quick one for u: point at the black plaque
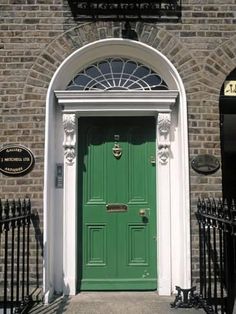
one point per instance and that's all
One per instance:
(16, 160)
(205, 164)
(126, 10)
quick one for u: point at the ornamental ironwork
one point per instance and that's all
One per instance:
(117, 74)
(156, 10)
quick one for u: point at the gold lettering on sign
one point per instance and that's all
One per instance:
(13, 169)
(13, 159)
(9, 150)
(230, 88)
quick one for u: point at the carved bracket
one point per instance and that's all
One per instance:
(69, 137)
(163, 136)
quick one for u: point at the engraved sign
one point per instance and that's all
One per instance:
(205, 164)
(230, 88)
(116, 207)
(16, 160)
(163, 10)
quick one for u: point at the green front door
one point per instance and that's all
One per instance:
(117, 204)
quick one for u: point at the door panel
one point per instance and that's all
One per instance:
(137, 254)
(137, 182)
(96, 249)
(96, 156)
(116, 248)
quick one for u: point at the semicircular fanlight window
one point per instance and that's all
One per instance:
(117, 74)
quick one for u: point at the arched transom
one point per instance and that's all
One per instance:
(117, 74)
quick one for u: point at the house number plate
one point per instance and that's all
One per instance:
(116, 207)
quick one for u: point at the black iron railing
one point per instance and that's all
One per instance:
(15, 221)
(217, 257)
(123, 10)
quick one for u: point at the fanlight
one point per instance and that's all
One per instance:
(117, 74)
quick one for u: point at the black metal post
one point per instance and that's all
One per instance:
(204, 262)
(23, 251)
(18, 208)
(221, 269)
(28, 211)
(13, 211)
(215, 267)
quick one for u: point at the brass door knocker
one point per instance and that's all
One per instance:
(117, 151)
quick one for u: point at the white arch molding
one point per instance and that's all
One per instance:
(62, 111)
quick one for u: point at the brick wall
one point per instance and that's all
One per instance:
(37, 35)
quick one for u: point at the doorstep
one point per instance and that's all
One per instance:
(113, 303)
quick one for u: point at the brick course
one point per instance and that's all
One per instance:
(37, 35)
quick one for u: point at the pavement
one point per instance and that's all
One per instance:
(112, 303)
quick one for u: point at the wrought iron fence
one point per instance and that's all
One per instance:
(217, 234)
(15, 222)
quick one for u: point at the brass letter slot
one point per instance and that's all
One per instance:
(116, 207)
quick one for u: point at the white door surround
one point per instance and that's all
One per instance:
(63, 110)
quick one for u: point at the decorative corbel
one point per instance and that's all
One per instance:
(69, 137)
(163, 136)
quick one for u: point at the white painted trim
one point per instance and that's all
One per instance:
(163, 230)
(70, 205)
(123, 103)
(163, 177)
(178, 251)
(112, 105)
(70, 96)
(70, 230)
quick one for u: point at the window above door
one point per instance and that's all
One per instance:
(117, 74)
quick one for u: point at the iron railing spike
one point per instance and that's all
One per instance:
(220, 208)
(203, 205)
(213, 207)
(24, 206)
(6, 209)
(13, 208)
(216, 265)
(29, 206)
(233, 211)
(232, 203)
(28, 211)
(19, 212)
(18, 207)
(199, 205)
(208, 206)
(226, 211)
(13, 213)
(16, 256)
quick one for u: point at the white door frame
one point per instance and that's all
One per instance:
(60, 234)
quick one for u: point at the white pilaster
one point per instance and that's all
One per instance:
(70, 217)
(164, 204)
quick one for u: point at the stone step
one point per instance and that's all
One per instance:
(113, 303)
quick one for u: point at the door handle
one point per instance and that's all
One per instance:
(144, 212)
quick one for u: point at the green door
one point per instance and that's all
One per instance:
(117, 204)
